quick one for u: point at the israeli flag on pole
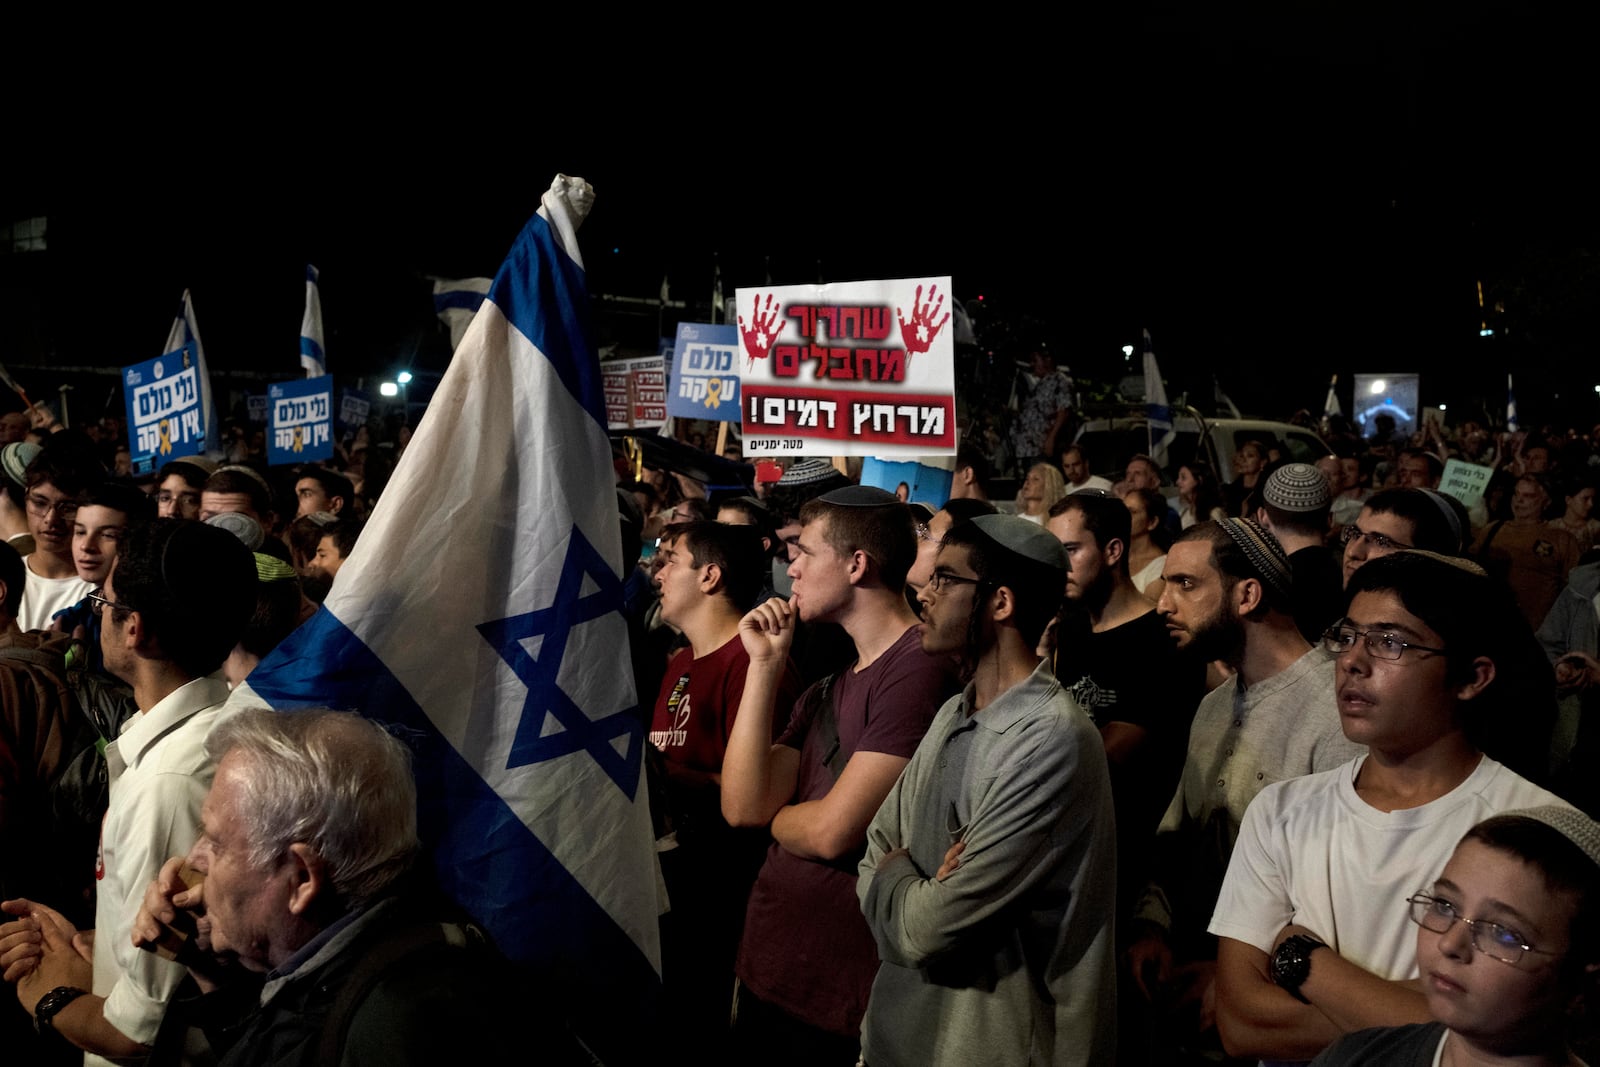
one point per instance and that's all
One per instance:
(311, 357)
(1511, 407)
(186, 331)
(456, 301)
(479, 615)
(1158, 416)
(1330, 406)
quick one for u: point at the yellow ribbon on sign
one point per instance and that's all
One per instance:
(713, 392)
(166, 437)
(299, 440)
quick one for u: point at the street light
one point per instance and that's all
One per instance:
(404, 377)
(388, 389)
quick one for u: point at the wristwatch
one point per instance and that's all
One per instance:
(44, 1012)
(1291, 963)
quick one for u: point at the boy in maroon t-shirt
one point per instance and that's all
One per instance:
(709, 575)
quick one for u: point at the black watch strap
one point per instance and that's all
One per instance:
(1291, 963)
(44, 1012)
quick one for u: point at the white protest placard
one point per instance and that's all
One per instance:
(1465, 481)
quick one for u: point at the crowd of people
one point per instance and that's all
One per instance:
(1130, 767)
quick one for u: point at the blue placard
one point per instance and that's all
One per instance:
(162, 399)
(705, 373)
(302, 421)
(354, 405)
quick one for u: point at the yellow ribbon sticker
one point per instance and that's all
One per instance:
(164, 429)
(299, 440)
(713, 392)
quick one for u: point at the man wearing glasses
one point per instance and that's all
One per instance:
(989, 880)
(51, 488)
(1393, 520)
(173, 607)
(1314, 938)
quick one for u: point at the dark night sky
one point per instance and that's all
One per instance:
(1275, 198)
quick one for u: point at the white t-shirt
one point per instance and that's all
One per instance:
(1313, 853)
(43, 597)
(1094, 481)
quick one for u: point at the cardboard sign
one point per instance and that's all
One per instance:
(162, 399)
(354, 406)
(849, 369)
(635, 392)
(1465, 481)
(256, 407)
(302, 421)
(705, 374)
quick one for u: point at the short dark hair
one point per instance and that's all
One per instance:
(68, 470)
(736, 550)
(788, 502)
(193, 586)
(1155, 507)
(1435, 464)
(1564, 867)
(1234, 566)
(13, 577)
(1474, 615)
(971, 456)
(135, 504)
(884, 532)
(246, 482)
(1425, 511)
(1104, 516)
(333, 483)
(304, 534)
(757, 516)
(344, 534)
(1304, 522)
(1037, 587)
(193, 475)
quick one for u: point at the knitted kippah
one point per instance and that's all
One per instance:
(15, 457)
(1297, 487)
(808, 472)
(242, 526)
(272, 569)
(1264, 551)
(1570, 823)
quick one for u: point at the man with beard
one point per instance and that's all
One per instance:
(989, 876)
(1114, 657)
(1227, 597)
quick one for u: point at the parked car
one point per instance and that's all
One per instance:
(1109, 442)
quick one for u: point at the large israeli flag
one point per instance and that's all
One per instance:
(185, 330)
(311, 357)
(1158, 415)
(480, 613)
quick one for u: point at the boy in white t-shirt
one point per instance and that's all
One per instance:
(1313, 942)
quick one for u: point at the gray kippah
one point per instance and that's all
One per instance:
(1570, 823)
(808, 472)
(859, 496)
(15, 457)
(1263, 550)
(1297, 487)
(246, 529)
(1019, 536)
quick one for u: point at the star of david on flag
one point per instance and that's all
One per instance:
(478, 616)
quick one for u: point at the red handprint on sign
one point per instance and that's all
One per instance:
(918, 332)
(764, 329)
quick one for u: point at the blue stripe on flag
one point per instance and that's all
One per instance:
(485, 858)
(542, 292)
(309, 347)
(465, 299)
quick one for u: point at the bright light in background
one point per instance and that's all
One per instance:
(1378, 387)
(1441, 407)
(1127, 350)
(404, 377)
(389, 389)
(1486, 332)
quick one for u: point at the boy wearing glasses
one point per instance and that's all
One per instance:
(1311, 944)
(51, 488)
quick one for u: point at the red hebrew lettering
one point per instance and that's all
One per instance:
(786, 361)
(875, 323)
(805, 317)
(918, 332)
